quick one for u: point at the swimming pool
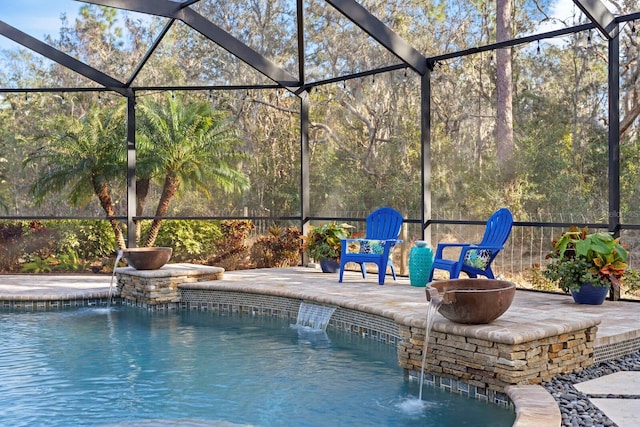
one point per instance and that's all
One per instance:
(130, 367)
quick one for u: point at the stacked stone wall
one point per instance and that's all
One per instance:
(156, 291)
(158, 287)
(494, 365)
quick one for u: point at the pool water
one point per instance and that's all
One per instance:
(123, 366)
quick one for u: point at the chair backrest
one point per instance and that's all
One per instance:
(498, 228)
(384, 223)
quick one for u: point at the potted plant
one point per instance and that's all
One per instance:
(587, 265)
(323, 244)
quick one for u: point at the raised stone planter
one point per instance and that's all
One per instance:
(493, 356)
(155, 287)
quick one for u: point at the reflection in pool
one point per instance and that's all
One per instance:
(123, 366)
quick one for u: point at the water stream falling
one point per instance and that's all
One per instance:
(432, 309)
(113, 275)
(314, 316)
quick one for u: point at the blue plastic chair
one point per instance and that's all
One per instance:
(383, 229)
(476, 260)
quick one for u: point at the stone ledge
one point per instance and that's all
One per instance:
(56, 297)
(535, 407)
(506, 332)
(173, 270)
(159, 287)
(622, 337)
(383, 309)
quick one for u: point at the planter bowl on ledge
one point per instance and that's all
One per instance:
(473, 301)
(151, 258)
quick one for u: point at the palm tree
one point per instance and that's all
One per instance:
(190, 146)
(83, 154)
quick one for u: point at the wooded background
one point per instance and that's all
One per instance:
(365, 147)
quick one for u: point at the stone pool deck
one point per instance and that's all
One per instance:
(531, 313)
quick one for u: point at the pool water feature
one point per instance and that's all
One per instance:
(113, 276)
(124, 366)
(432, 309)
(314, 316)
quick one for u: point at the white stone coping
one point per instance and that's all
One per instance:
(535, 407)
(56, 297)
(505, 332)
(172, 270)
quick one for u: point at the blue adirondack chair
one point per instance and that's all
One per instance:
(476, 259)
(383, 229)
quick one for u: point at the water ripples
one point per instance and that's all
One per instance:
(123, 366)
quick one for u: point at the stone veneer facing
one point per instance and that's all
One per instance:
(494, 365)
(158, 287)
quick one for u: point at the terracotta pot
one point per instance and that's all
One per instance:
(473, 301)
(147, 258)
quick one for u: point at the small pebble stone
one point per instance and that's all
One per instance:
(575, 407)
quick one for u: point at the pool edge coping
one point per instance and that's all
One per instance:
(532, 405)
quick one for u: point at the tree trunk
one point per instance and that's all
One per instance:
(504, 89)
(169, 190)
(101, 188)
(142, 190)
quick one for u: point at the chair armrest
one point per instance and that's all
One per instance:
(465, 247)
(391, 243)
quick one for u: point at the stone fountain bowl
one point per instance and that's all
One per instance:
(473, 301)
(151, 258)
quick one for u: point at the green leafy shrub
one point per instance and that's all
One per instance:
(70, 261)
(280, 248)
(190, 240)
(35, 243)
(324, 242)
(89, 239)
(37, 265)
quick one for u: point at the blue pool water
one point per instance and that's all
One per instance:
(132, 367)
